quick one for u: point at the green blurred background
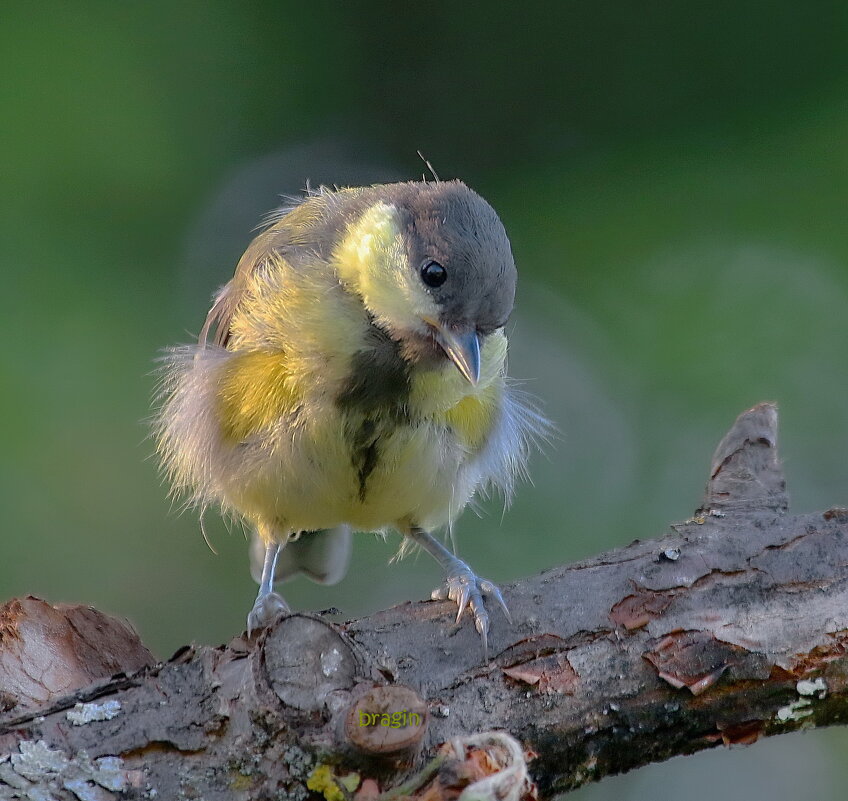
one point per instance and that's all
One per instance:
(674, 179)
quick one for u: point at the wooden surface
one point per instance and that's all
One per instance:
(731, 627)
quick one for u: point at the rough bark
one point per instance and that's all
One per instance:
(732, 626)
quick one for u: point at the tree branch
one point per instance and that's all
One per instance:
(731, 627)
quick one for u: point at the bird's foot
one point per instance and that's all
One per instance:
(266, 609)
(466, 589)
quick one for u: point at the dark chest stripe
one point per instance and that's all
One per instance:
(374, 400)
(365, 453)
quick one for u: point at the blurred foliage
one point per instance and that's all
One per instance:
(674, 180)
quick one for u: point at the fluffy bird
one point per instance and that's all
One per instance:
(352, 376)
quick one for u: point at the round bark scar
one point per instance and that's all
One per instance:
(306, 660)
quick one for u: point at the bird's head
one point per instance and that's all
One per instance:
(433, 266)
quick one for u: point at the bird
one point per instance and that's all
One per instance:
(352, 377)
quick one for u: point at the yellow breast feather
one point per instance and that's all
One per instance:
(473, 417)
(256, 388)
(471, 412)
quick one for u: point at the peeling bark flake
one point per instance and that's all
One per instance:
(636, 611)
(551, 674)
(697, 660)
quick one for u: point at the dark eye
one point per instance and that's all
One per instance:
(433, 274)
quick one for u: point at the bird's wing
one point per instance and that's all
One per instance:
(295, 229)
(227, 299)
(219, 316)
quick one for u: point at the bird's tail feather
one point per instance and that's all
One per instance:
(322, 556)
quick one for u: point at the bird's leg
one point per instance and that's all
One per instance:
(268, 605)
(461, 585)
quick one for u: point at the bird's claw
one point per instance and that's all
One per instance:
(466, 589)
(266, 610)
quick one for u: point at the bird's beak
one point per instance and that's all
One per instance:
(462, 347)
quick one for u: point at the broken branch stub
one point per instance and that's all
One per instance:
(746, 473)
